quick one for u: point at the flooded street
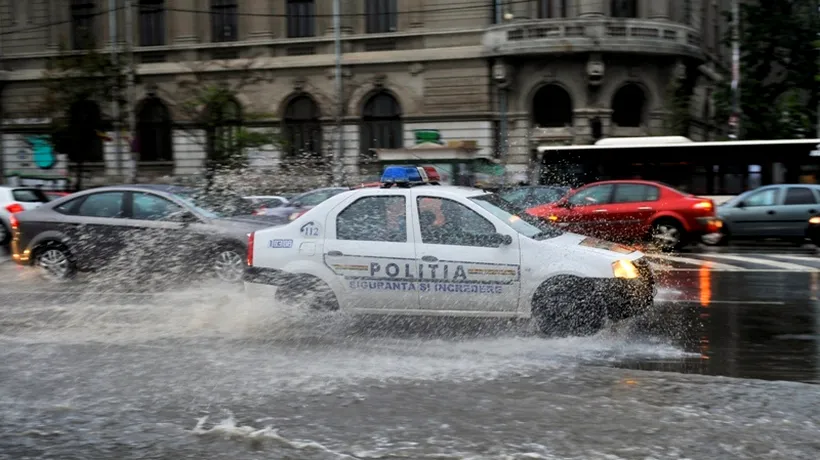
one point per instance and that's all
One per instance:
(725, 367)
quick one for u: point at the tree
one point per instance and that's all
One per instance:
(76, 84)
(207, 101)
(778, 88)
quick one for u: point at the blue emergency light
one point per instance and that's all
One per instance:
(407, 176)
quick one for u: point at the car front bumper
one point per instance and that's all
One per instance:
(620, 298)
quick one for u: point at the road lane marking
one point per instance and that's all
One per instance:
(773, 263)
(699, 262)
(747, 302)
(797, 258)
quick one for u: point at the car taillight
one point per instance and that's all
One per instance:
(15, 207)
(14, 222)
(707, 205)
(296, 215)
(250, 248)
(259, 211)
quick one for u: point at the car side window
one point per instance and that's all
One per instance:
(766, 197)
(543, 195)
(104, 204)
(596, 195)
(517, 196)
(799, 196)
(374, 218)
(444, 221)
(634, 193)
(69, 207)
(147, 206)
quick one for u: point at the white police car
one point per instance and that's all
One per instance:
(409, 248)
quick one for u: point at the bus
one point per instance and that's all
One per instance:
(701, 168)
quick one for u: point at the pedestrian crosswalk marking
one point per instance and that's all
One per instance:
(699, 262)
(758, 261)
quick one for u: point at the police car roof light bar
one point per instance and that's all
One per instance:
(401, 176)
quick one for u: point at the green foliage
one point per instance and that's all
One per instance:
(679, 116)
(779, 73)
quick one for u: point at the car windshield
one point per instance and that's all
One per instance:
(516, 218)
(216, 205)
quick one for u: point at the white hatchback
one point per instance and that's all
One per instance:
(450, 251)
(14, 200)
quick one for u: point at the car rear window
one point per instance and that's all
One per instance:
(29, 195)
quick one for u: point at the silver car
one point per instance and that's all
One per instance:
(779, 211)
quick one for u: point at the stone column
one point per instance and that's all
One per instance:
(656, 9)
(417, 13)
(181, 23)
(277, 24)
(259, 25)
(355, 19)
(324, 17)
(589, 8)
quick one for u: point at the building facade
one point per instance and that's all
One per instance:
(509, 75)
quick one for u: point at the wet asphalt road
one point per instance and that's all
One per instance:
(726, 366)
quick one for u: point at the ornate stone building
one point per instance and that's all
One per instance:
(515, 72)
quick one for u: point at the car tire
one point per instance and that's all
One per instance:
(55, 262)
(566, 306)
(667, 235)
(5, 234)
(228, 263)
(307, 291)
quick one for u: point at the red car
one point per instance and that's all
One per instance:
(631, 210)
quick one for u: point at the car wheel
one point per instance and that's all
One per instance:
(229, 264)
(5, 234)
(565, 306)
(55, 263)
(668, 235)
(307, 291)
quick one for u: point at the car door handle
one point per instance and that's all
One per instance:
(770, 212)
(430, 259)
(599, 210)
(644, 208)
(335, 253)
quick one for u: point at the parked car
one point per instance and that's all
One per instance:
(630, 210)
(267, 201)
(527, 197)
(14, 200)
(780, 211)
(153, 227)
(301, 203)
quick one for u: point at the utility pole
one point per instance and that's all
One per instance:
(499, 74)
(734, 120)
(115, 60)
(338, 152)
(130, 85)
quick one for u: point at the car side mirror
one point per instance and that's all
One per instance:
(740, 204)
(182, 217)
(564, 204)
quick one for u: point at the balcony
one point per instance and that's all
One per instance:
(561, 36)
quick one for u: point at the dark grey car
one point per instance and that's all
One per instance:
(142, 228)
(303, 202)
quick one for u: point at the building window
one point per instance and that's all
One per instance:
(85, 120)
(303, 131)
(624, 8)
(301, 18)
(381, 124)
(552, 9)
(552, 107)
(629, 106)
(154, 141)
(224, 21)
(152, 22)
(223, 123)
(380, 16)
(82, 24)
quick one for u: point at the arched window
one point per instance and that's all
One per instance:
(381, 124)
(303, 130)
(624, 8)
(552, 107)
(223, 123)
(629, 106)
(154, 140)
(85, 119)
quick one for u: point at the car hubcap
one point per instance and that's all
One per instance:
(54, 264)
(229, 266)
(667, 235)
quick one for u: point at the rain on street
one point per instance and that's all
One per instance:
(726, 366)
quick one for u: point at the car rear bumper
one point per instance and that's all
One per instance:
(19, 254)
(813, 231)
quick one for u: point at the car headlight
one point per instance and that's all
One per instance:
(625, 269)
(815, 220)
